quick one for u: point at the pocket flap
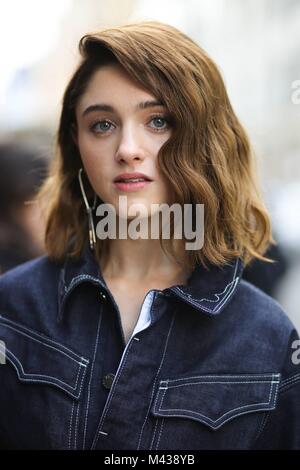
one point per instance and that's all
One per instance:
(216, 399)
(39, 359)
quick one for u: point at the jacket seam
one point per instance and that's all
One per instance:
(288, 382)
(221, 418)
(281, 390)
(221, 301)
(109, 399)
(91, 375)
(52, 380)
(154, 385)
(30, 334)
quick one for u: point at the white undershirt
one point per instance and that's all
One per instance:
(144, 319)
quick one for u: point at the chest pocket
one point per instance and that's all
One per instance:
(194, 408)
(40, 360)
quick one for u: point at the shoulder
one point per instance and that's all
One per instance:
(263, 309)
(260, 322)
(32, 274)
(29, 287)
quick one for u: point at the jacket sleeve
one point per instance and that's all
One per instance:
(281, 426)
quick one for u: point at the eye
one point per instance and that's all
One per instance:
(160, 122)
(101, 127)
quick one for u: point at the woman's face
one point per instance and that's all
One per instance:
(121, 128)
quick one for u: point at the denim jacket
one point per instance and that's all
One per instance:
(216, 367)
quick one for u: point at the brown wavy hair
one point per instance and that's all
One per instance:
(207, 160)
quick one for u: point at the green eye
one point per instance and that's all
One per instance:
(159, 122)
(101, 126)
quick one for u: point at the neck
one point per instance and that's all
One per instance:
(140, 261)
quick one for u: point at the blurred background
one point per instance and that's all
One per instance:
(256, 44)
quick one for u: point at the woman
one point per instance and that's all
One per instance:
(140, 343)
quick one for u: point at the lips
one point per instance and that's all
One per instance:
(130, 182)
(132, 178)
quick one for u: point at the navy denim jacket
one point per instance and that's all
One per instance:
(217, 368)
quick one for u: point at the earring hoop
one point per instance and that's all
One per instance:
(89, 211)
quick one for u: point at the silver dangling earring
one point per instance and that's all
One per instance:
(89, 210)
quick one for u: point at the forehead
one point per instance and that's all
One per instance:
(113, 83)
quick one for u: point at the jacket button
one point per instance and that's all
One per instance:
(107, 380)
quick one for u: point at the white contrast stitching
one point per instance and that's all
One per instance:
(220, 419)
(218, 306)
(154, 434)
(289, 380)
(70, 427)
(76, 426)
(19, 327)
(47, 345)
(53, 380)
(161, 427)
(156, 421)
(110, 396)
(249, 376)
(220, 382)
(155, 380)
(160, 433)
(78, 408)
(91, 375)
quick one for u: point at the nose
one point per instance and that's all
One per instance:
(130, 145)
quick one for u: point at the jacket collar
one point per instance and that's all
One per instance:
(208, 290)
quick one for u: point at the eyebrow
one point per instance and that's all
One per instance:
(111, 109)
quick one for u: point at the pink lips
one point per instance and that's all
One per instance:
(123, 186)
(123, 183)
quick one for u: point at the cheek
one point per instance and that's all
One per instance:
(94, 156)
(96, 165)
(89, 152)
(156, 143)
